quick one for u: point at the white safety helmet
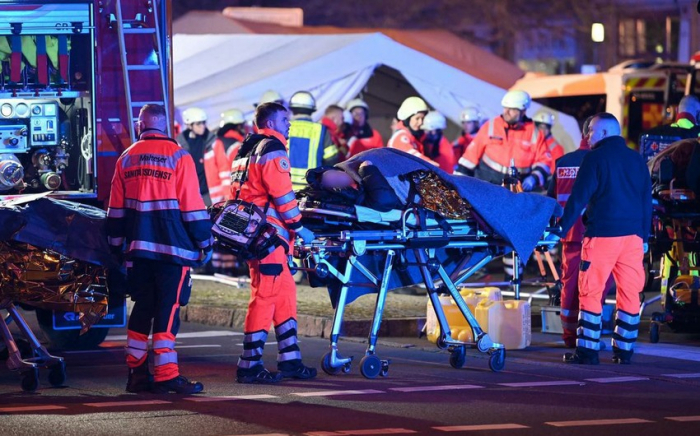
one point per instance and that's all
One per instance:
(544, 118)
(271, 96)
(410, 107)
(470, 113)
(193, 115)
(434, 120)
(516, 100)
(231, 116)
(302, 100)
(357, 102)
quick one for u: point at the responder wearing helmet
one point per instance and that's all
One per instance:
(361, 136)
(310, 144)
(263, 157)
(217, 165)
(544, 122)
(408, 135)
(436, 146)
(471, 121)
(231, 131)
(509, 137)
(271, 96)
(198, 140)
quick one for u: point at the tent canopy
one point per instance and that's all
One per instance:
(219, 72)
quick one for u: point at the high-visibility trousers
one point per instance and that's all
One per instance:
(623, 257)
(570, 263)
(273, 299)
(158, 289)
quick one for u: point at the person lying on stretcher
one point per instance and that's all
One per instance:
(333, 185)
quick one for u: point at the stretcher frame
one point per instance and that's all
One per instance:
(423, 243)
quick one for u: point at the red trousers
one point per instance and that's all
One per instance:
(273, 296)
(623, 256)
(570, 263)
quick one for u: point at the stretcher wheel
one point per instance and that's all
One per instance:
(458, 357)
(57, 374)
(327, 368)
(371, 366)
(497, 360)
(30, 380)
(654, 333)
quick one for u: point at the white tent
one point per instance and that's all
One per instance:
(219, 72)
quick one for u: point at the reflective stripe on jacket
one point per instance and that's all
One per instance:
(403, 140)
(268, 181)
(496, 144)
(310, 146)
(155, 208)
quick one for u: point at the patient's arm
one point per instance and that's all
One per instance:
(379, 194)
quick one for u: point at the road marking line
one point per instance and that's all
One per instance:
(127, 403)
(329, 393)
(545, 383)
(616, 379)
(103, 350)
(435, 388)
(230, 397)
(204, 334)
(689, 375)
(598, 422)
(683, 418)
(481, 427)
(31, 408)
(178, 347)
(374, 431)
(669, 351)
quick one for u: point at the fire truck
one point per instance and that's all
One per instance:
(74, 76)
(642, 95)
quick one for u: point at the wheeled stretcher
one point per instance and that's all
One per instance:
(359, 251)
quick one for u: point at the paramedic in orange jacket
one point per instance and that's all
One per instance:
(409, 135)
(471, 121)
(360, 135)
(158, 222)
(614, 187)
(436, 146)
(544, 122)
(273, 290)
(510, 136)
(230, 134)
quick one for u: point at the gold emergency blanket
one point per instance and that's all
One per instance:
(49, 280)
(440, 198)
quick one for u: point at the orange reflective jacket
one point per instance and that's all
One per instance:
(268, 183)
(497, 144)
(403, 140)
(155, 208)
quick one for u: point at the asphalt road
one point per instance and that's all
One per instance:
(534, 395)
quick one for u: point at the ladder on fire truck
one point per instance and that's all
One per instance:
(140, 26)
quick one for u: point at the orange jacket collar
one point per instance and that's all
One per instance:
(329, 124)
(274, 134)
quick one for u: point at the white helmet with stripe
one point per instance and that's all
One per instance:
(434, 120)
(193, 115)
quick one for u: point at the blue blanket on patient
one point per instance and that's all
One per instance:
(520, 219)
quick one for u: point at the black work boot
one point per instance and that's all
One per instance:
(622, 357)
(257, 375)
(582, 356)
(140, 379)
(178, 385)
(298, 371)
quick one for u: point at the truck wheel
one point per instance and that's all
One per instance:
(69, 339)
